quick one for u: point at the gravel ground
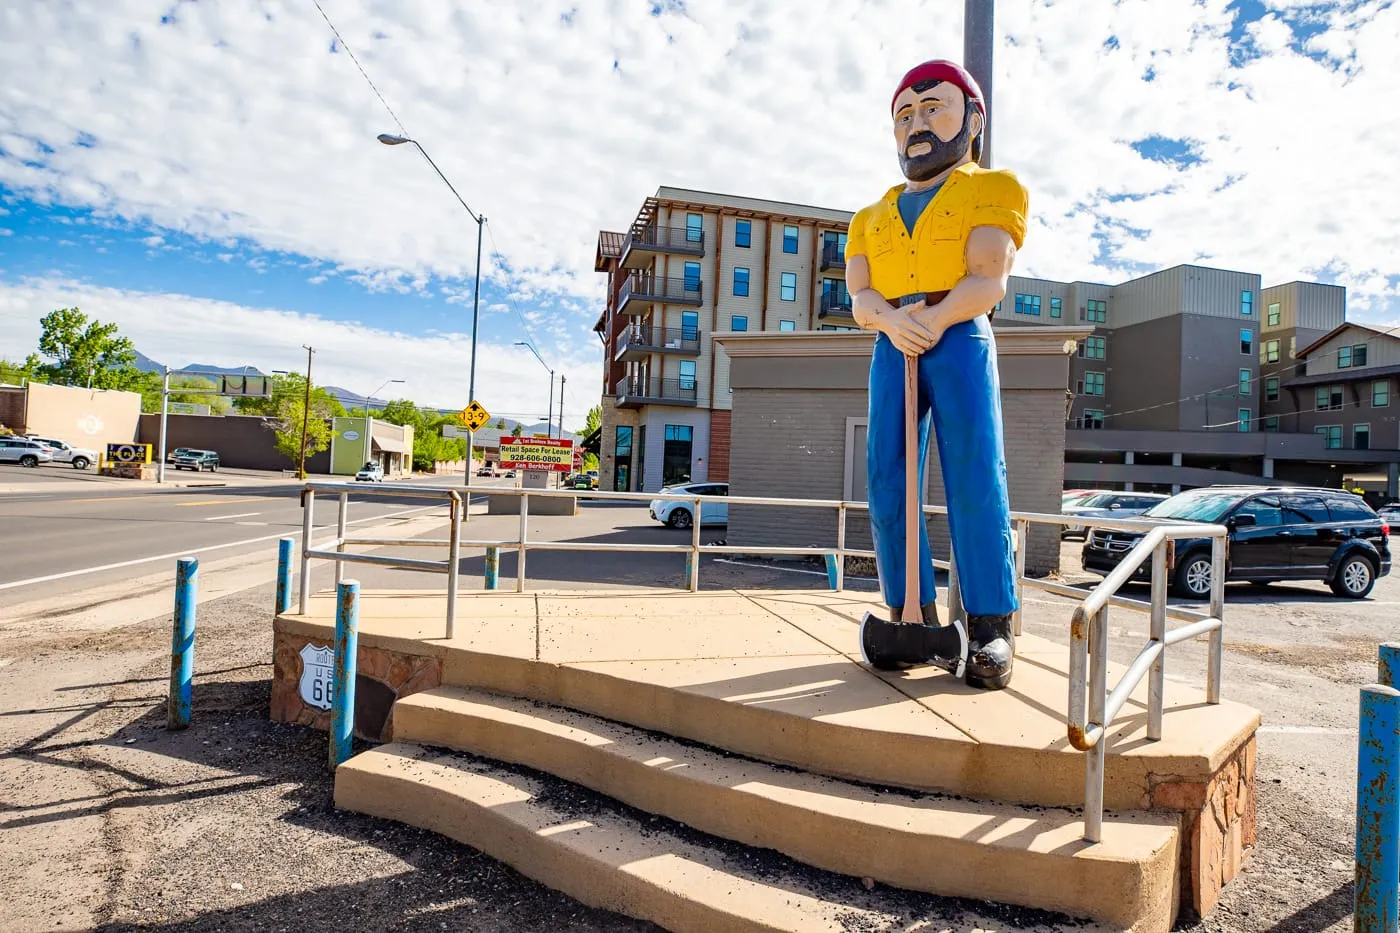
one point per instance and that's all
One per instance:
(112, 823)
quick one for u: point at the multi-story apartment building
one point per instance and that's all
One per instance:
(691, 265)
(1192, 375)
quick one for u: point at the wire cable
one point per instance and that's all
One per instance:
(351, 52)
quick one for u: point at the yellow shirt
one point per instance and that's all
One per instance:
(934, 257)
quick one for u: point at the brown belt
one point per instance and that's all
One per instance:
(925, 298)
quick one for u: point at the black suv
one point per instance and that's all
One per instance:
(1276, 533)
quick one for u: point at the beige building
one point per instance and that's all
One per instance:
(90, 418)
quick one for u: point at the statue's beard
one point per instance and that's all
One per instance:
(940, 157)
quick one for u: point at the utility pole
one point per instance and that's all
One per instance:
(562, 380)
(549, 430)
(978, 32)
(164, 417)
(305, 413)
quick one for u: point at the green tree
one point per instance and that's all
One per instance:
(288, 386)
(199, 394)
(84, 352)
(517, 431)
(288, 420)
(591, 424)
(429, 446)
(17, 373)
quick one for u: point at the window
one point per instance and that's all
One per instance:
(1273, 314)
(622, 459)
(687, 380)
(692, 276)
(1247, 303)
(743, 233)
(1096, 311)
(1243, 420)
(739, 323)
(1271, 389)
(741, 282)
(1380, 393)
(1293, 350)
(1271, 351)
(1265, 511)
(1328, 398)
(1028, 304)
(789, 287)
(1349, 509)
(1244, 382)
(1092, 419)
(787, 326)
(1246, 340)
(1358, 354)
(1344, 358)
(675, 464)
(1093, 383)
(789, 238)
(1361, 436)
(1333, 434)
(1271, 424)
(690, 325)
(1092, 348)
(1056, 307)
(694, 227)
(834, 243)
(1304, 510)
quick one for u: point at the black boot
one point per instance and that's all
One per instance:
(991, 651)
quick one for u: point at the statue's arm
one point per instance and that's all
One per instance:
(991, 253)
(873, 312)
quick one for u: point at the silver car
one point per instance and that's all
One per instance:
(23, 451)
(1108, 505)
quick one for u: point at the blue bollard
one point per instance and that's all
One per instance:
(1390, 665)
(284, 575)
(831, 570)
(177, 713)
(493, 567)
(1377, 895)
(688, 559)
(347, 644)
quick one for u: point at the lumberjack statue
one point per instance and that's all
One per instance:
(925, 265)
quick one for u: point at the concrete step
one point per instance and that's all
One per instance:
(606, 856)
(1033, 857)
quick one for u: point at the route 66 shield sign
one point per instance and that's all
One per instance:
(317, 665)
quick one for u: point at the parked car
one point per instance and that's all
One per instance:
(1276, 533)
(581, 481)
(197, 460)
(1107, 505)
(679, 514)
(177, 453)
(23, 451)
(80, 457)
(371, 472)
(485, 471)
(1390, 512)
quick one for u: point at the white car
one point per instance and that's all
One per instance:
(23, 451)
(370, 473)
(1108, 505)
(80, 457)
(681, 514)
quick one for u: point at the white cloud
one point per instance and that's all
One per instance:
(180, 329)
(249, 129)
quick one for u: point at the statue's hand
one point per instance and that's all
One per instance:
(909, 335)
(929, 318)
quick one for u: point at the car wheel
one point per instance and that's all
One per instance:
(29, 460)
(80, 463)
(1354, 578)
(680, 518)
(1192, 579)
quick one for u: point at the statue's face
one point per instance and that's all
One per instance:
(933, 129)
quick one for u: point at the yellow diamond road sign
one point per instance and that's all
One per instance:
(474, 416)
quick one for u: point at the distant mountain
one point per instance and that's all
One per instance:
(147, 365)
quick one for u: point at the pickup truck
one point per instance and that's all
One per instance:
(63, 452)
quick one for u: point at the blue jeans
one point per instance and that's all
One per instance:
(960, 395)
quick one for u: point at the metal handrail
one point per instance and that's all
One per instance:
(1092, 707)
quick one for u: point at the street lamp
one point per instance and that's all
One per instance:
(369, 425)
(390, 140)
(549, 419)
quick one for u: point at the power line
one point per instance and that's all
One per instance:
(351, 52)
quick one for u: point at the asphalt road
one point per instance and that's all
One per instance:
(61, 541)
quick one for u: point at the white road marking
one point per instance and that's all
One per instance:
(224, 518)
(197, 550)
(1306, 730)
(253, 524)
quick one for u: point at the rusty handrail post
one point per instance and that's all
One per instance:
(1022, 534)
(693, 565)
(455, 507)
(340, 534)
(520, 555)
(308, 505)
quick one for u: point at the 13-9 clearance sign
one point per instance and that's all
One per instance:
(537, 453)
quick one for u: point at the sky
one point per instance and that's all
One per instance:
(205, 172)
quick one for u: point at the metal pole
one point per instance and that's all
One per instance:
(694, 569)
(476, 317)
(308, 504)
(1217, 611)
(305, 414)
(284, 575)
(1377, 892)
(177, 713)
(1023, 529)
(1098, 699)
(340, 535)
(347, 644)
(520, 560)
(493, 567)
(164, 417)
(454, 563)
(1157, 679)
(562, 380)
(549, 428)
(840, 547)
(978, 31)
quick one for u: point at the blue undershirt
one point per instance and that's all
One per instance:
(913, 203)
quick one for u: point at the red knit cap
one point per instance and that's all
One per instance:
(942, 70)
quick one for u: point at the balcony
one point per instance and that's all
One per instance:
(640, 293)
(634, 393)
(643, 244)
(836, 305)
(833, 257)
(641, 340)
